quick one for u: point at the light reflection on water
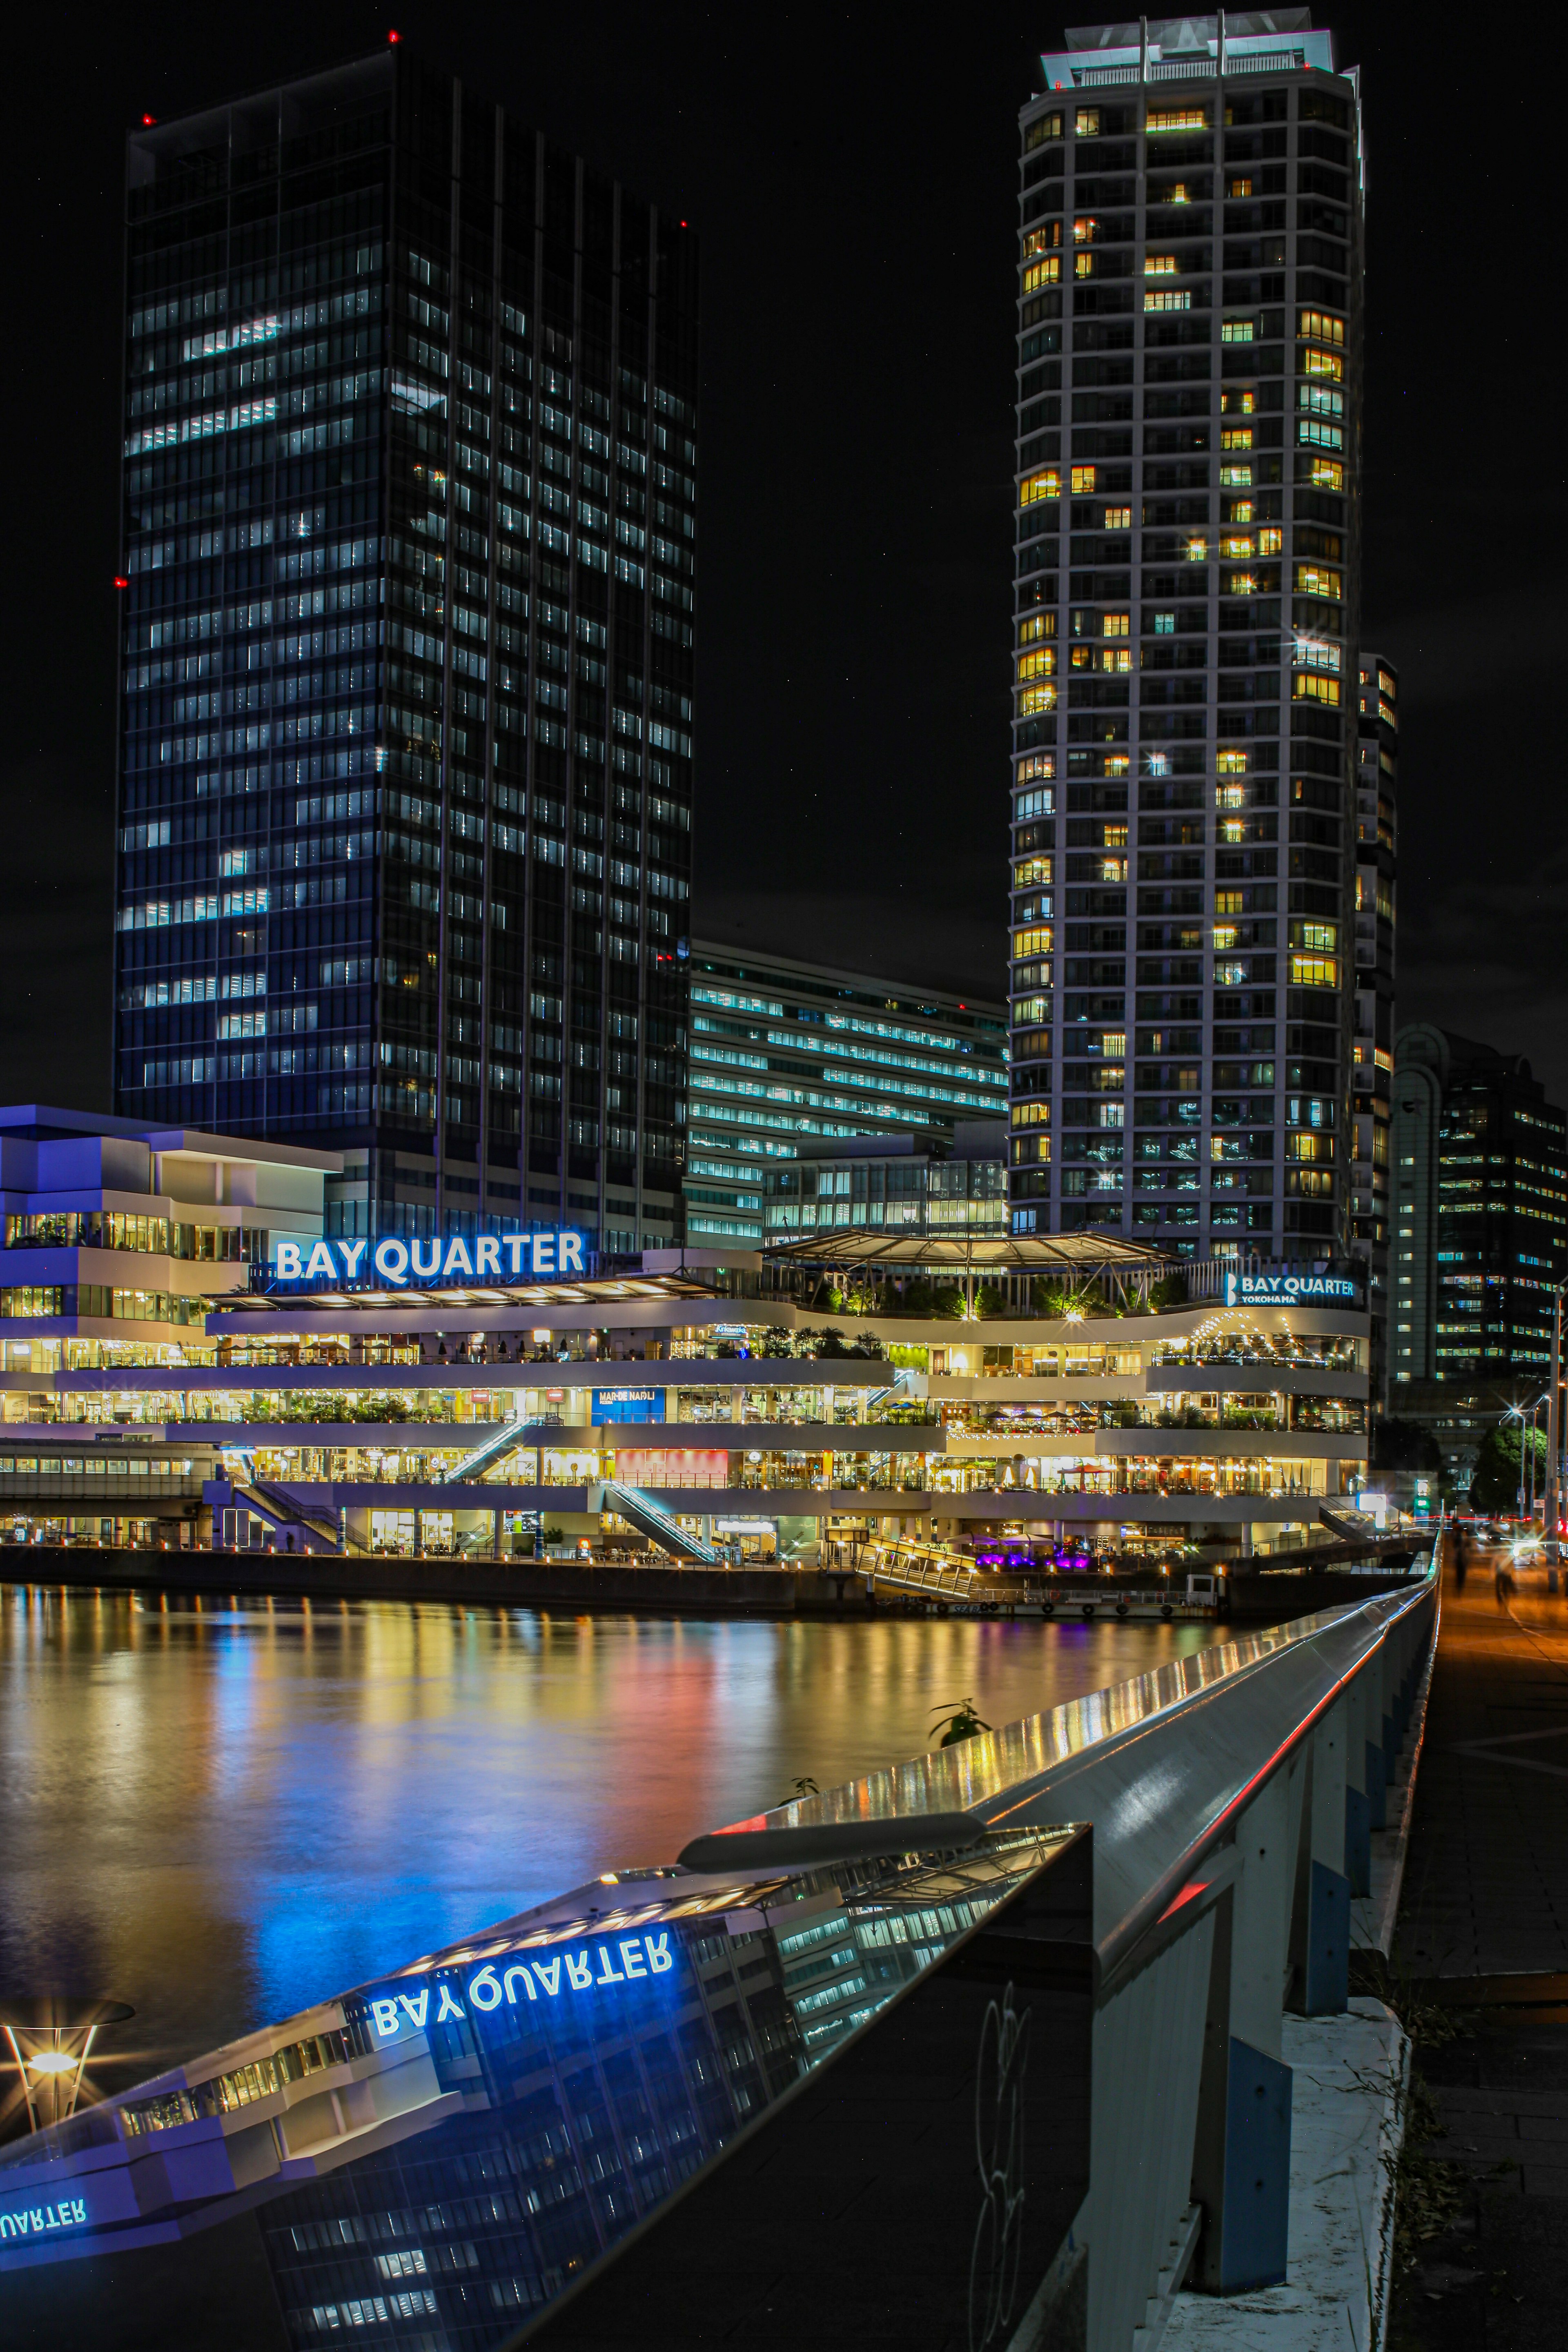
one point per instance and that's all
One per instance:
(222, 1813)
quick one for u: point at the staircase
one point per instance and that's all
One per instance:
(651, 1520)
(276, 1506)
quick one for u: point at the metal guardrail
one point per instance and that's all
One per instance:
(1233, 1794)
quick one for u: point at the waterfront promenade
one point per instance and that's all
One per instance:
(1484, 1913)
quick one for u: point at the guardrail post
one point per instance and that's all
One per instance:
(1358, 1806)
(1374, 1682)
(1322, 1950)
(1241, 2164)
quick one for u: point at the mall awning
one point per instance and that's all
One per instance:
(1082, 1256)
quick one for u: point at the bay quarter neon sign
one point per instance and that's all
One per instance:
(449, 1262)
(562, 1975)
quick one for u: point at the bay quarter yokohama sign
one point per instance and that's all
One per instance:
(451, 1262)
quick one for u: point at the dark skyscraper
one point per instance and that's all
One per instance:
(405, 739)
(1185, 637)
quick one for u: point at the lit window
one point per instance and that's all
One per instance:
(1241, 583)
(1040, 662)
(1231, 828)
(1035, 625)
(1239, 188)
(1236, 543)
(1046, 484)
(1167, 301)
(1240, 511)
(1270, 543)
(1113, 869)
(1316, 580)
(1082, 479)
(1042, 273)
(1320, 399)
(1224, 938)
(1044, 127)
(1197, 549)
(1314, 971)
(1232, 763)
(1082, 657)
(1116, 625)
(1312, 433)
(1230, 796)
(1308, 688)
(1117, 764)
(1177, 118)
(1235, 477)
(1038, 766)
(1031, 1114)
(1116, 658)
(1027, 871)
(1028, 1010)
(1230, 975)
(1236, 330)
(1317, 653)
(1328, 474)
(1118, 518)
(1235, 437)
(1234, 402)
(1159, 264)
(1178, 195)
(1227, 902)
(1087, 122)
(1085, 229)
(1321, 327)
(1327, 363)
(1041, 240)
(1083, 264)
(1032, 699)
(1033, 942)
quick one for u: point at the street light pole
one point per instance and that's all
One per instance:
(1553, 1429)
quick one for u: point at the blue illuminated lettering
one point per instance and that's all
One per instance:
(513, 1976)
(288, 1262)
(391, 1260)
(543, 1252)
(515, 1246)
(386, 2015)
(351, 1252)
(608, 1973)
(449, 2008)
(660, 1956)
(321, 1262)
(487, 1254)
(578, 1970)
(549, 1975)
(423, 1266)
(459, 1262)
(571, 1254)
(631, 1958)
(418, 2007)
(484, 1990)
(37, 2221)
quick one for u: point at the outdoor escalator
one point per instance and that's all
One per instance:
(651, 1520)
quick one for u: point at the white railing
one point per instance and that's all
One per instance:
(1232, 1796)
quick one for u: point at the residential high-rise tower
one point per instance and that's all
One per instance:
(1186, 566)
(405, 724)
(1376, 860)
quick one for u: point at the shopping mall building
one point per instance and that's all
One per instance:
(185, 1357)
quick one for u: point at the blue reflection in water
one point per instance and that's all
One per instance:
(219, 1815)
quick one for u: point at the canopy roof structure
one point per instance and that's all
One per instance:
(1083, 1254)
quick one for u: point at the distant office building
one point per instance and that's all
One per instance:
(1186, 623)
(1376, 870)
(1482, 1211)
(902, 1183)
(409, 488)
(784, 1056)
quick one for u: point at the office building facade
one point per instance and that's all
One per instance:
(1376, 874)
(1185, 634)
(950, 1188)
(407, 613)
(786, 1056)
(1480, 1213)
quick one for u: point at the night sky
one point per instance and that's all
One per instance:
(852, 174)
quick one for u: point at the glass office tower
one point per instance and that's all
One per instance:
(1186, 570)
(406, 727)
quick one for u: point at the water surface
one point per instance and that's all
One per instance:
(221, 1812)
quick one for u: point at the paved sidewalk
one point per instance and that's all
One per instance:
(1486, 1908)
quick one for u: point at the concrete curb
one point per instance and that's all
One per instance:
(1351, 2079)
(1375, 1916)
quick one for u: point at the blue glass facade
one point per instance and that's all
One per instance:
(406, 720)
